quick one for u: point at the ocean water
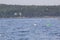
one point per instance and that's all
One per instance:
(29, 29)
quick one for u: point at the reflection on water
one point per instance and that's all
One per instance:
(30, 29)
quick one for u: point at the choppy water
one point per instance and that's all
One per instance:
(30, 29)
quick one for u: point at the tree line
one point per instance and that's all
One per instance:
(28, 10)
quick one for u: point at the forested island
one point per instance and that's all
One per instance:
(7, 11)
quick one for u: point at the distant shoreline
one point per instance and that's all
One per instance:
(31, 17)
(26, 11)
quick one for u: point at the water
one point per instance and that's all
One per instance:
(30, 29)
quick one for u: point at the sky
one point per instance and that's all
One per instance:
(30, 2)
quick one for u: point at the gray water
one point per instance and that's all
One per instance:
(30, 29)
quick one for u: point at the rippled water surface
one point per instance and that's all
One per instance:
(30, 29)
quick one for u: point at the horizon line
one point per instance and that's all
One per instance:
(28, 5)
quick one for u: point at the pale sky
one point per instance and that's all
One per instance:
(31, 2)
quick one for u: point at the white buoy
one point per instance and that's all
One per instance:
(35, 24)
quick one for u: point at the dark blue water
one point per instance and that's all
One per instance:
(30, 29)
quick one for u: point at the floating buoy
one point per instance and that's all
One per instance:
(35, 24)
(48, 25)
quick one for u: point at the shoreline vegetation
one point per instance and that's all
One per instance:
(29, 11)
(31, 17)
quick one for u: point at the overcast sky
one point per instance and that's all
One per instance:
(31, 2)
